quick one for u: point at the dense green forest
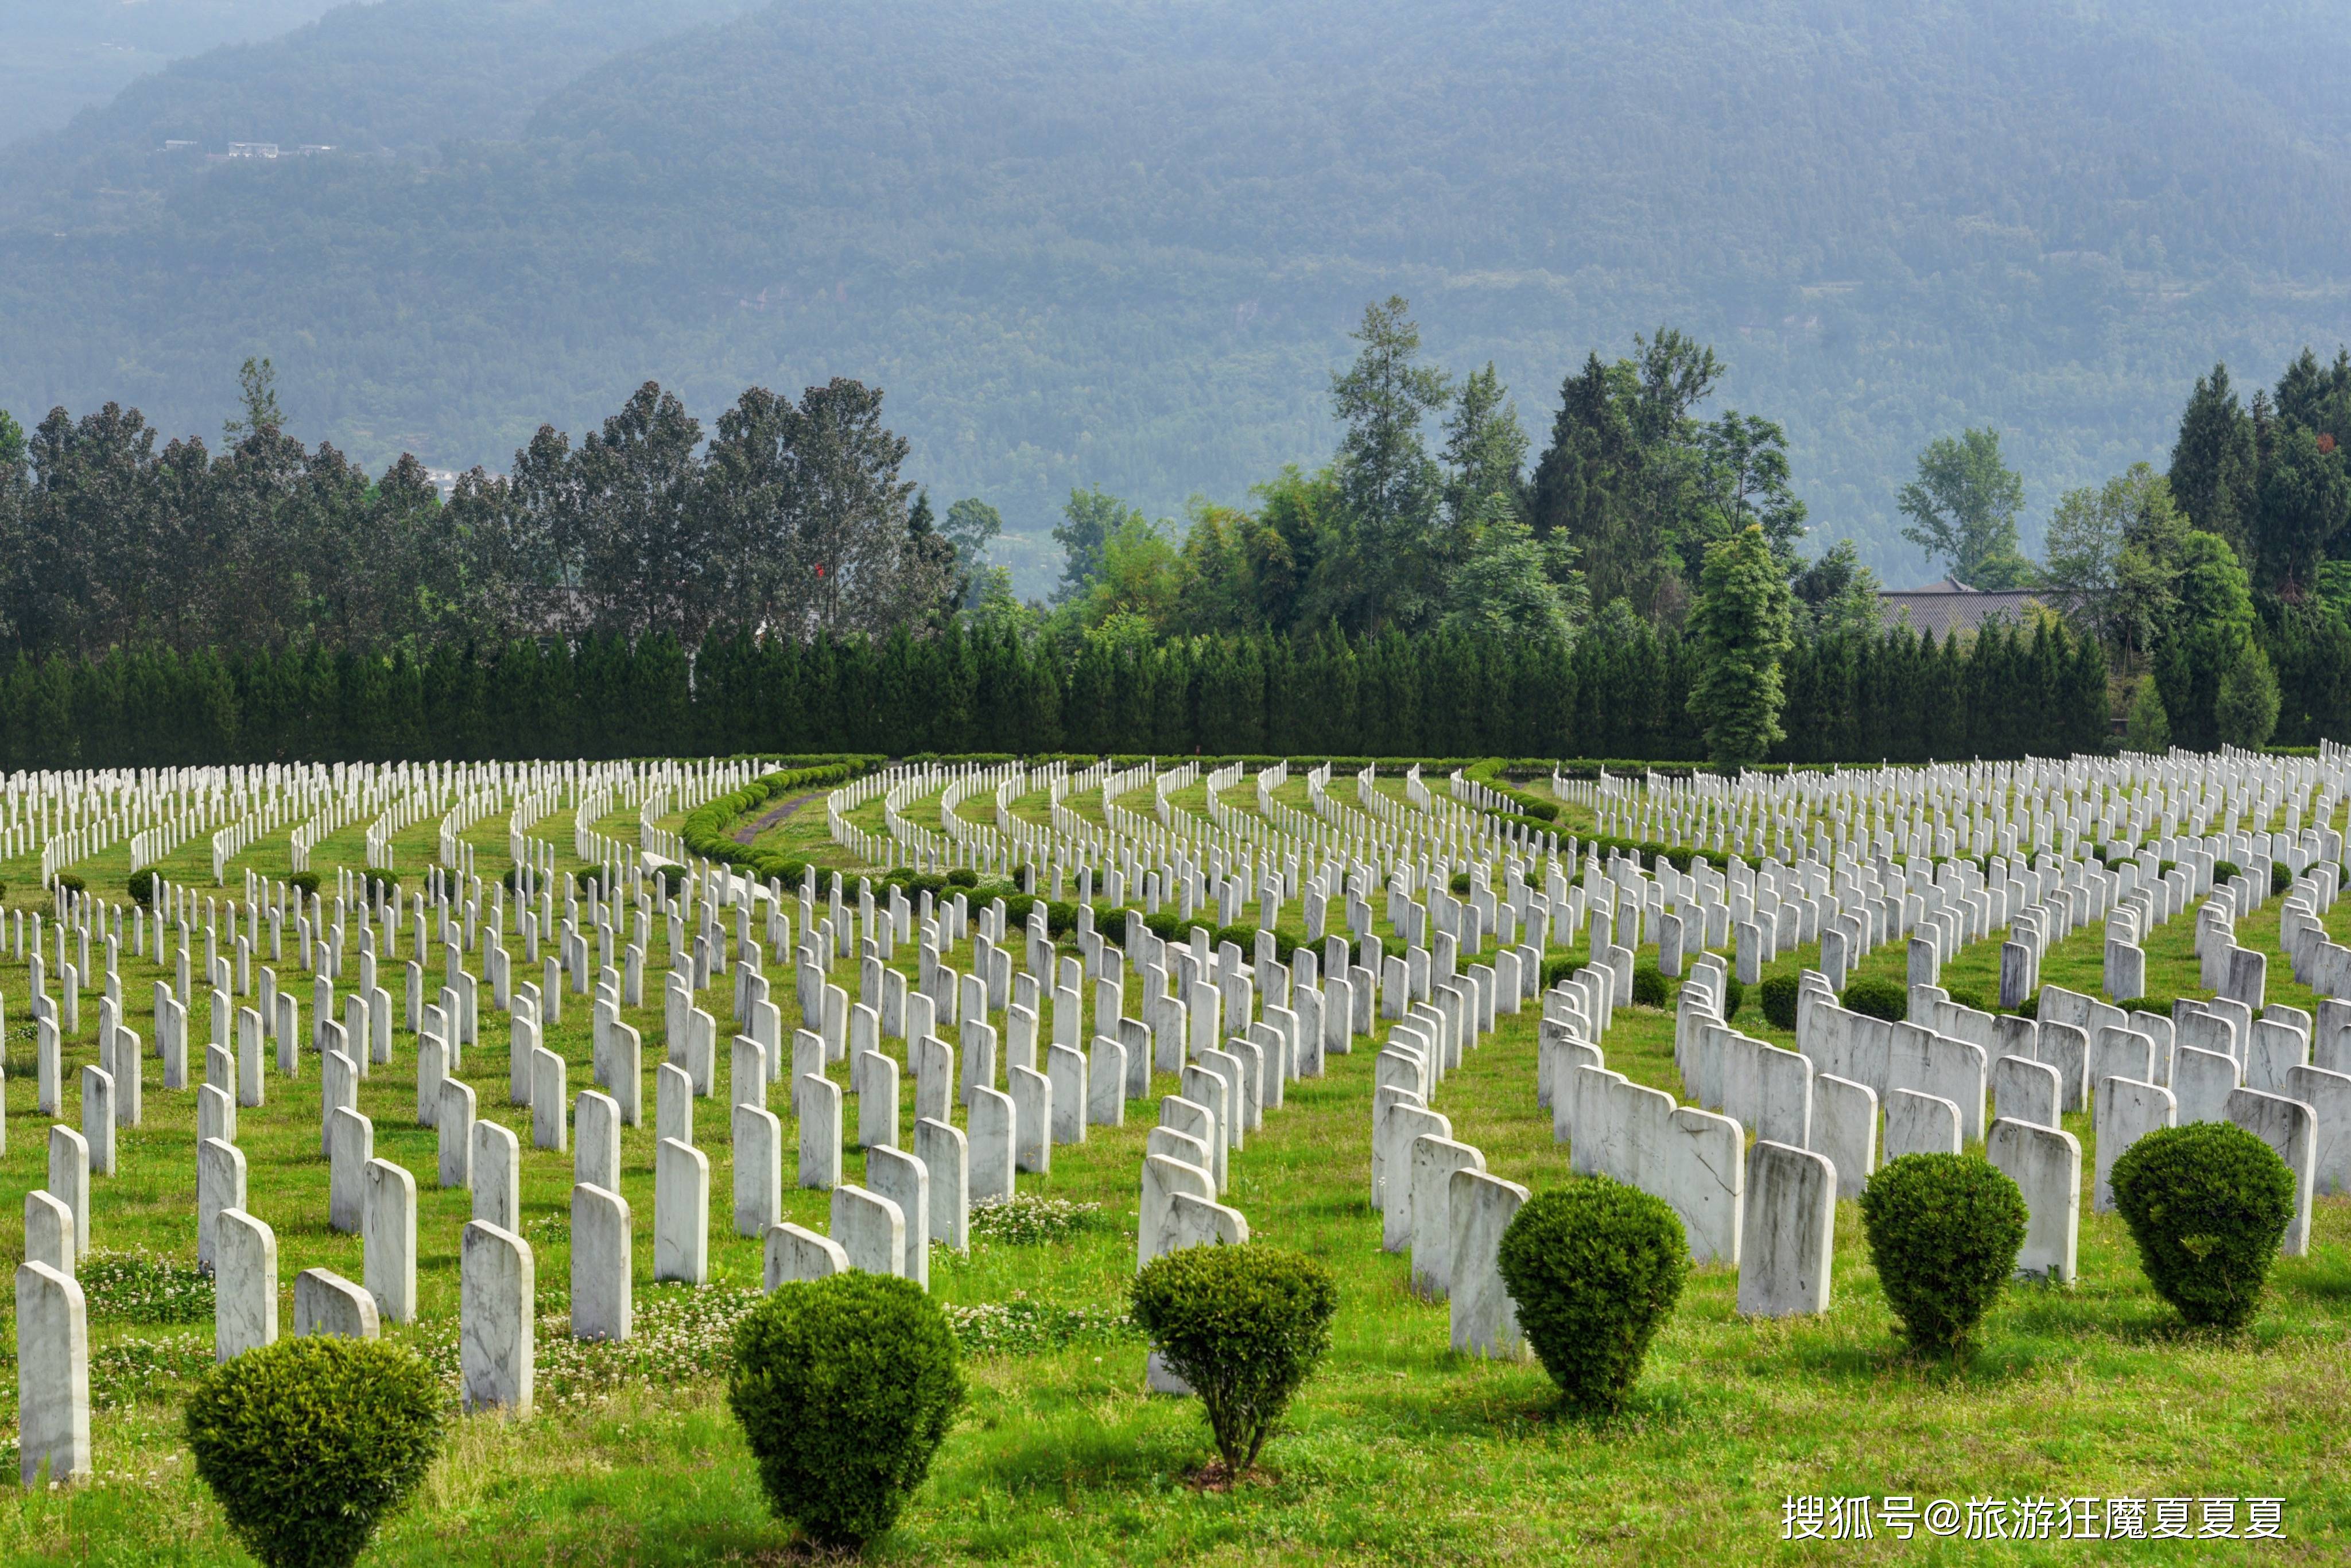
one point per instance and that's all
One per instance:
(1120, 244)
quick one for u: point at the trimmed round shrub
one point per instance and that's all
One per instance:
(311, 1443)
(69, 881)
(1244, 1326)
(2279, 878)
(2030, 1007)
(2208, 1205)
(141, 885)
(1555, 970)
(1241, 935)
(1596, 1267)
(1944, 1232)
(844, 1387)
(1734, 997)
(1969, 996)
(1461, 883)
(1648, 986)
(2223, 871)
(1778, 994)
(382, 884)
(963, 877)
(304, 882)
(672, 878)
(1877, 998)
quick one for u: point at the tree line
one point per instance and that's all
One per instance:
(792, 516)
(981, 689)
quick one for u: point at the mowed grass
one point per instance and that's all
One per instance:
(1397, 1451)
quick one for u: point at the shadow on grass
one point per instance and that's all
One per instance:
(1144, 1452)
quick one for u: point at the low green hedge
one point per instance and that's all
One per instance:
(706, 829)
(1875, 997)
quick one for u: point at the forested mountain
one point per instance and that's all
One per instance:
(1121, 242)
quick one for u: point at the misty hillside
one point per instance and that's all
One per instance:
(1121, 243)
(58, 56)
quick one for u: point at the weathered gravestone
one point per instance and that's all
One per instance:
(496, 1352)
(52, 1377)
(2045, 1162)
(2123, 1112)
(870, 1229)
(327, 1304)
(795, 1254)
(904, 1181)
(245, 1284)
(603, 1249)
(1785, 1246)
(681, 1213)
(1485, 1320)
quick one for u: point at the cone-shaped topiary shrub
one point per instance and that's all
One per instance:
(309, 1443)
(844, 1387)
(2208, 1204)
(1596, 1267)
(1244, 1326)
(1944, 1232)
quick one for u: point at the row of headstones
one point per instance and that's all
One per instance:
(1436, 1199)
(871, 1229)
(1902, 799)
(1224, 1095)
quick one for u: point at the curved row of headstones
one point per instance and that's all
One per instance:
(1860, 1090)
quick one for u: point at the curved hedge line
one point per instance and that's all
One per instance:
(704, 831)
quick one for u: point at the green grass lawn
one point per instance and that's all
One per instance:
(1397, 1451)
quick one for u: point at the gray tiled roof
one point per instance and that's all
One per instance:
(1946, 607)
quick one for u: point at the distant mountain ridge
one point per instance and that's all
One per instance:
(1121, 242)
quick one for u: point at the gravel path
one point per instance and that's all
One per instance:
(745, 835)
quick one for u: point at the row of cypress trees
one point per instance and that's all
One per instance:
(1898, 696)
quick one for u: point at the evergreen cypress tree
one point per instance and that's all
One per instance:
(2215, 473)
(2148, 729)
(2246, 708)
(1741, 624)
